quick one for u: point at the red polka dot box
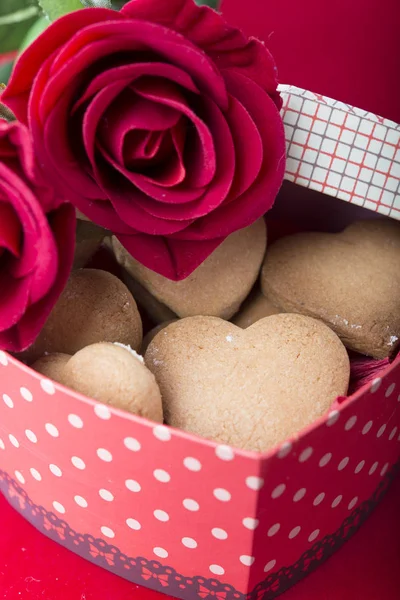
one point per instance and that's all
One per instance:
(186, 516)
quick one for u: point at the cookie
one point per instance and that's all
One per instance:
(350, 280)
(149, 305)
(115, 375)
(95, 306)
(150, 335)
(256, 307)
(88, 241)
(218, 287)
(52, 366)
(248, 388)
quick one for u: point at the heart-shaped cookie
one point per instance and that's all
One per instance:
(52, 366)
(350, 280)
(248, 388)
(95, 306)
(115, 375)
(217, 287)
(110, 373)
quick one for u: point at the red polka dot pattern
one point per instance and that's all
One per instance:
(200, 508)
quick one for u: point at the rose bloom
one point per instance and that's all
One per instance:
(37, 241)
(159, 122)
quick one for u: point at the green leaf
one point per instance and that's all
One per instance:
(5, 71)
(97, 3)
(16, 17)
(215, 4)
(53, 9)
(10, 6)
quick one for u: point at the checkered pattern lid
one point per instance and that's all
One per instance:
(342, 151)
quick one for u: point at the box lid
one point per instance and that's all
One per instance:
(342, 151)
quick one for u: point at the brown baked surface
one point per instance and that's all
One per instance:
(87, 242)
(248, 388)
(350, 280)
(95, 306)
(115, 376)
(153, 308)
(52, 366)
(217, 287)
(256, 307)
(150, 335)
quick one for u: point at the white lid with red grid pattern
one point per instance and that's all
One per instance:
(342, 151)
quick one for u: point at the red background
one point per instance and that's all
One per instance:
(348, 51)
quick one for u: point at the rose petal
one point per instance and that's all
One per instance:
(131, 72)
(37, 244)
(88, 197)
(221, 183)
(70, 75)
(205, 159)
(7, 152)
(50, 199)
(129, 208)
(248, 147)
(182, 213)
(70, 169)
(23, 333)
(171, 171)
(16, 94)
(227, 45)
(46, 266)
(141, 147)
(132, 112)
(178, 195)
(158, 11)
(178, 136)
(107, 38)
(259, 198)
(121, 193)
(156, 155)
(128, 201)
(10, 229)
(203, 26)
(94, 114)
(99, 211)
(224, 164)
(15, 143)
(102, 213)
(174, 259)
(20, 198)
(254, 62)
(57, 148)
(14, 299)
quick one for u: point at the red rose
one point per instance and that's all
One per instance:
(36, 242)
(159, 122)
